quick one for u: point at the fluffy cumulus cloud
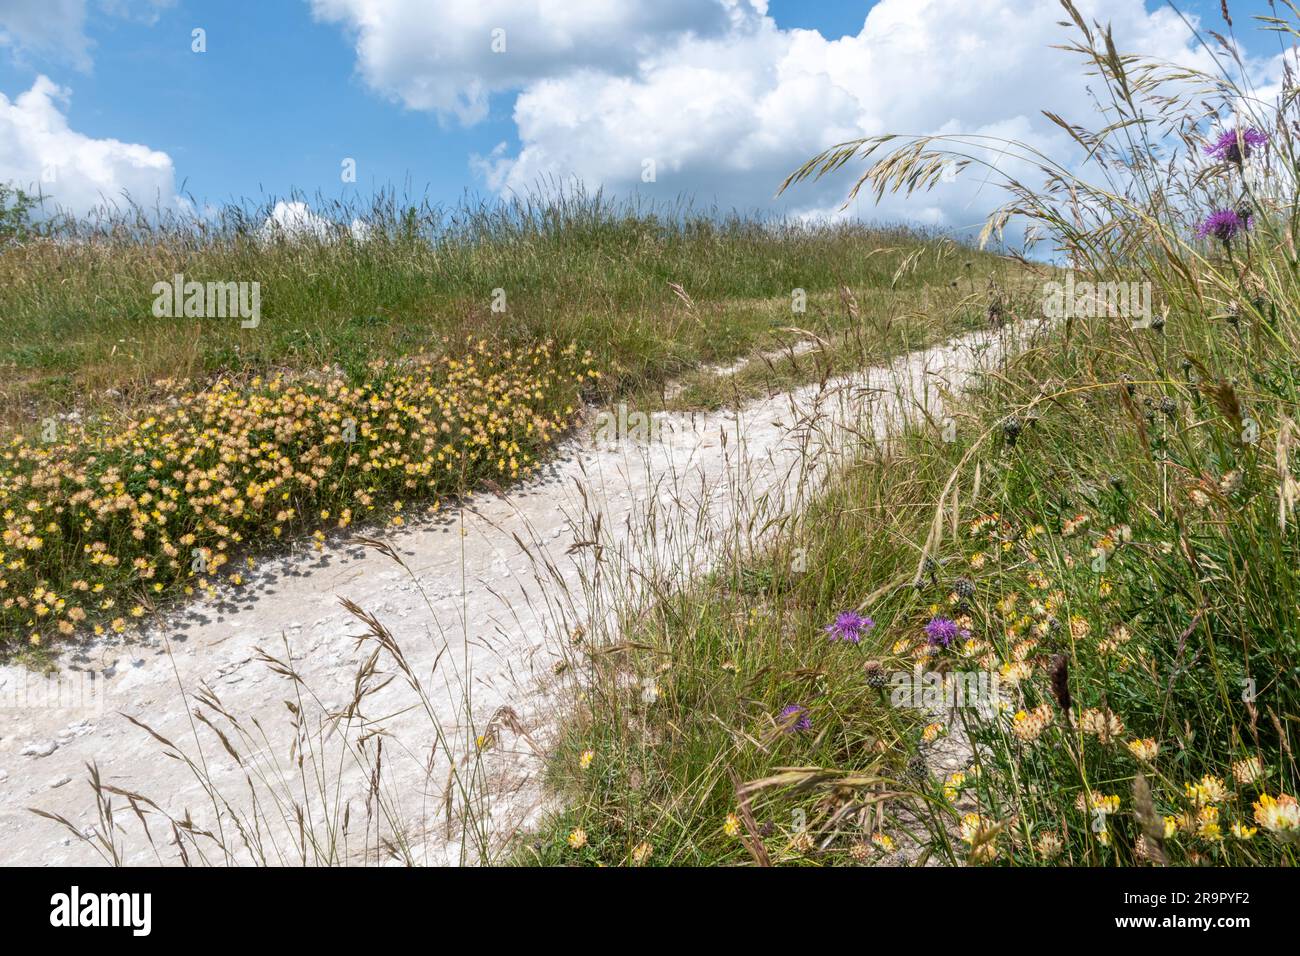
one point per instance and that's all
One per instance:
(725, 103)
(295, 220)
(449, 56)
(38, 150)
(727, 119)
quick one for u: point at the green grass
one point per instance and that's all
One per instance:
(579, 268)
(1208, 595)
(1114, 526)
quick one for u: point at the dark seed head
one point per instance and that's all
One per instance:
(1059, 668)
(917, 770)
(1168, 406)
(1011, 429)
(964, 588)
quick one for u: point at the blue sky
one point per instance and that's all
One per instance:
(273, 105)
(280, 98)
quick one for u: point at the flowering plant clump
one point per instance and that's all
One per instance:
(99, 525)
(1045, 615)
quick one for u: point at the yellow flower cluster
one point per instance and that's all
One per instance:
(98, 525)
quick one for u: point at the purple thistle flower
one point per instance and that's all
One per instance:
(795, 717)
(1224, 224)
(942, 631)
(849, 626)
(1231, 148)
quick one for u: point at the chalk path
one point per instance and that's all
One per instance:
(484, 612)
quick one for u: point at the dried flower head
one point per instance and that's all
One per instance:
(1101, 723)
(1248, 771)
(1049, 845)
(1028, 726)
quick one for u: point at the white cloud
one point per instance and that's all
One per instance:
(726, 119)
(38, 151)
(57, 28)
(295, 221)
(725, 113)
(47, 27)
(439, 54)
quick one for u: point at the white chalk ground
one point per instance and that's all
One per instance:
(484, 612)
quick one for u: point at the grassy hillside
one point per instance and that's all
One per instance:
(147, 458)
(651, 295)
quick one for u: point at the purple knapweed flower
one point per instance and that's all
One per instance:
(1234, 148)
(849, 626)
(795, 717)
(942, 631)
(1224, 224)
